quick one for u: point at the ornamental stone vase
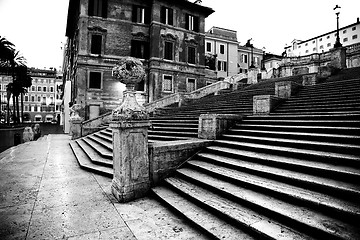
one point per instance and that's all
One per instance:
(129, 71)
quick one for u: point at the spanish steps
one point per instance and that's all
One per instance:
(293, 174)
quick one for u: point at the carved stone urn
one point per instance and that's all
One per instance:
(74, 112)
(129, 71)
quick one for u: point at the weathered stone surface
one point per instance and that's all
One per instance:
(252, 75)
(75, 128)
(338, 58)
(131, 163)
(285, 89)
(211, 126)
(166, 157)
(264, 104)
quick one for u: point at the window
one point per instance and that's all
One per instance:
(166, 15)
(192, 23)
(306, 44)
(354, 37)
(208, 47)
(222, 49)
(33, 98)
(314, 41)
(26, 98)
(168, 51)
(44, 89)
(98, 8)
(39, 99)
(140, 49)
(320, 39)
(299, 46)
(345, 40)
(96, 43)
(328, 45)
(39, 89)
(307, 51)
(314, 49)
(328, 37)
(244, 58)
(344, 31)
(321, 47)
(33, 88)
(191, 84)
(43, 100)
(167, 83)
(141, 15)
(26, 108)
(222, 66)
(353, 28)
(95, 80)
(51, 89)
(191, 55)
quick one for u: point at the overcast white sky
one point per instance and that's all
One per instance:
(37, 27)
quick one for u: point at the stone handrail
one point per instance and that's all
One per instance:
(209, 89)
(94, 124)
(180, 97)
(163, 102)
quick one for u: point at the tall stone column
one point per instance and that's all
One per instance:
(130, 124)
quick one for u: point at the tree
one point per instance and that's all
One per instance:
(13, 60)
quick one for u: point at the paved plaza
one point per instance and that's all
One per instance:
(45, 195)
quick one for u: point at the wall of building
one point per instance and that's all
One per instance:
(323, 43)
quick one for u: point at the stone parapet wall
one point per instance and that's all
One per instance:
(166, 157)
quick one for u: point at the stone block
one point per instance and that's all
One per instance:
(252, 75)
(309, 79)
(75, 128)
(286, 89)
(264, 104)
(166, 157)
(338, 58)
(130, 157)
(211, 126)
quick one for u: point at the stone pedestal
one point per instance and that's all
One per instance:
(252, 75)
(211, 126)
(75, 128)
(130, 159)
(285, 89)
(264, 104)
(338, 58)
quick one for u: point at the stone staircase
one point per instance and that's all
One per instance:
(294, 174)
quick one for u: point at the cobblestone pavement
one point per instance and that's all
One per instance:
(45, 195)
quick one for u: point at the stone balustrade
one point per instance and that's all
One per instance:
(180, 96)
(94, 125)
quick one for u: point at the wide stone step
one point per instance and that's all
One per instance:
(348, 159)
(296, 143)
(238, 214)
(320, 105)
(303, 129)
(334, 138)
(324, 169)
(93, 155)
(213, 225)
(250, 173)
(302, 121)
(174, 129)
(104, 152)
(173, 133)
(86, 164)
(165, 138)
(324, 117)
(296, 216)
(321, 102)
(99, 140)
(314, 112)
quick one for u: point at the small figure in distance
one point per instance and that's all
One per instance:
(37, 131)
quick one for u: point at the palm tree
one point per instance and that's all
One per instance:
(6, 50)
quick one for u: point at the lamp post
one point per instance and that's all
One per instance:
(263, 59)
(337, 42)
(248, 44)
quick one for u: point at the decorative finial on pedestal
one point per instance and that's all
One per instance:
(74, 112)
(129, 71)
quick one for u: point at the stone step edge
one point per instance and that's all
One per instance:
(88, 165)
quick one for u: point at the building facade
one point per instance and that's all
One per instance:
(222, 45)
(43, 99)
(167, 36)
(245, 53)
(349, 35)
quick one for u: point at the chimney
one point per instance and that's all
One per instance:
(358, 20)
